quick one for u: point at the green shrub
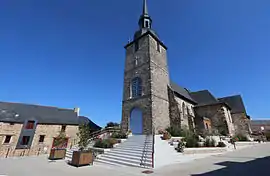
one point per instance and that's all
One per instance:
(119, 135)
(177, 131)
(105, 143)
(221, 144)
(210, 142)
(112, 124)
(240, 137)
(267, 135)
(191, 141)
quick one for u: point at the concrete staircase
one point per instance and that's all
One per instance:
(69, 153)
(136, 151)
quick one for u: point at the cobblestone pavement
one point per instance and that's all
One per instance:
(249, 161)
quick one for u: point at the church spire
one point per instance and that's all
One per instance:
(145, 20)
(145, 9)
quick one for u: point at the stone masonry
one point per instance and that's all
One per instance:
(50, 131)
(152, 69)
(220, 120)
(241, 123)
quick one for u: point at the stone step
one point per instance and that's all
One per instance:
(122, 162)
(131, 150)
(127, 153)
(134, 146)
(147, 158)
(108, 162)
(136, 143)
(125, 159)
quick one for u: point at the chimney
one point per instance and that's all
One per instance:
(77, 110)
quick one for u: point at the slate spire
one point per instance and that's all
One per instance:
(145, 9)
(145, 20)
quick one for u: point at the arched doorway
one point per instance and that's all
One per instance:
(136, 121)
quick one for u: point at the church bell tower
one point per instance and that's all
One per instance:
(145, 105)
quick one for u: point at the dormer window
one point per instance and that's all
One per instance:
(30, 124)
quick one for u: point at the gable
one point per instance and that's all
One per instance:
(182, 92)
(235, 102)
(203, 97)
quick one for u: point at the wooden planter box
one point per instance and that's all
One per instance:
(56, 154)
(82, 158)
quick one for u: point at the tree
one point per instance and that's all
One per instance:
(60, 141)
(84, 136)
(112, 124)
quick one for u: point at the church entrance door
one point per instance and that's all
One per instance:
(136, 121)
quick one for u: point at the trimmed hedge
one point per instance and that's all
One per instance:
(119, 135)
(105, 143)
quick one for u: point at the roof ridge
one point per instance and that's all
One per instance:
(201, 91)
(236, 95)
(28, 104)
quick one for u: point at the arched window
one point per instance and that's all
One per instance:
(136, 87)
(184, 109)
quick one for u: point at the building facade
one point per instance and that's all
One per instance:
(152, 102)
(31, 129)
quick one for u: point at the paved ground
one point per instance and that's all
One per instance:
(249, 161)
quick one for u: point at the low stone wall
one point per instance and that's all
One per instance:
(204, 150)
(244, 143)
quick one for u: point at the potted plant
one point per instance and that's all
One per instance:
(83, 157)
(59, 146)
(166, 135)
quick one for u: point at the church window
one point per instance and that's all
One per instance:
(158, 46)
(136, 87)
(136, 60)
(136, 46)
(184, 109)
(206, 125)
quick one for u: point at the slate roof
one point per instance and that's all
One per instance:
(203, 97)
(235, 102)
(182, 92)
(19, 113)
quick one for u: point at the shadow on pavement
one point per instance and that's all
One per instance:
(255, 167)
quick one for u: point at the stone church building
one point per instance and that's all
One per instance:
(152, 102)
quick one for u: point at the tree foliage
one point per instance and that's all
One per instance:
(84, 136)
(112, 124)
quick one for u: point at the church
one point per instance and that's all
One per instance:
(153, 102)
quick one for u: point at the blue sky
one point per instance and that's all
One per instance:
(70, 53)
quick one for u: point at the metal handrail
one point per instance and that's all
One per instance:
(153, 148)
(144, 151)
(104, 130)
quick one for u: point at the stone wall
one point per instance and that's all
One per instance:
(241, 123)
(175, 116)
(186, 113)
(144, 104)
(37, 148)
(151, 66)
(9, 129)
(219, 120)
